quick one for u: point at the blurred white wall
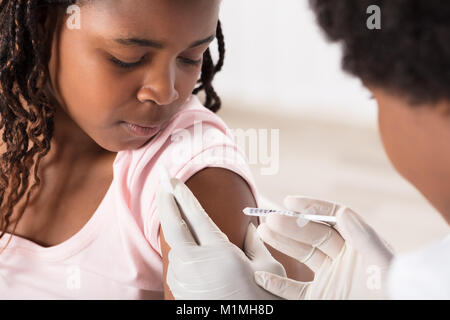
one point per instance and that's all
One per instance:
(277, 60)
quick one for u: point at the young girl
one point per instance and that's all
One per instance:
(90, 109)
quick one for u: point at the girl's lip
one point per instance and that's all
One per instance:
(140, 131)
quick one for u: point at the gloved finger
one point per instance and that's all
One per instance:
(201, 225)
(194, 283)
(281, 286)
(175, 230)
(253, 246)
(195, 274)
(319, 235)
(202, 262)
(176, 288)
(182, 290)
(363, 237)
(257, 252)
(311, 206)
(306, 254)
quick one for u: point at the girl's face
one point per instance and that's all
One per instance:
(131, 61)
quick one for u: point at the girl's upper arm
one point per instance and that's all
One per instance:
(223, 194)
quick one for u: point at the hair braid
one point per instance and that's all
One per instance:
(26, 114)
(209, 70)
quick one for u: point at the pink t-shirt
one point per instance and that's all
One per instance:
(117, 254)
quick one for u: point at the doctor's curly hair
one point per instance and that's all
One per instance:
(27, 110)
(409, 56)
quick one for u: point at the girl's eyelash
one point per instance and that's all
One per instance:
(190, 61)
(126, 65)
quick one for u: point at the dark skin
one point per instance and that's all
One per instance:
(416, 140)
(100, 95)
(94, 96)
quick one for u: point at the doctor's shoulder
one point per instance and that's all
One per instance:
(421, 274)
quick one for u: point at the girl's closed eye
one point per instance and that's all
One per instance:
(127, 65)
(188, 61)
(130, 65)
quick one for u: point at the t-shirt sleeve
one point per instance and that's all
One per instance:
(189, 151)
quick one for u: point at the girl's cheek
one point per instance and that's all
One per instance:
(188, 80)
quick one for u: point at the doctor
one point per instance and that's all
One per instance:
(405, 62)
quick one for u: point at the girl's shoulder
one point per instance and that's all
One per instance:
(194, 139)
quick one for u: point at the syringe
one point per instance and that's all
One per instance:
(302, 218)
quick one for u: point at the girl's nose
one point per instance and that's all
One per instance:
(159, 88)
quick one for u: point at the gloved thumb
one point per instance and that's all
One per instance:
(281, 286)
(259, 255)
(362, 237)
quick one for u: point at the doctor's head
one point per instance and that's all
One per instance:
(404, 60)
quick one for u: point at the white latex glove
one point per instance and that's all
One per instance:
(213, 268)
(354, 269)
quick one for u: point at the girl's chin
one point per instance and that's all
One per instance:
(129, 145)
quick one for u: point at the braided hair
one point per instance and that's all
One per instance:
(209, 70)
(27, 110)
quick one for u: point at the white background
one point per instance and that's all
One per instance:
(278, 61)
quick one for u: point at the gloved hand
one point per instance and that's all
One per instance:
(354, 269)
(213, 268)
